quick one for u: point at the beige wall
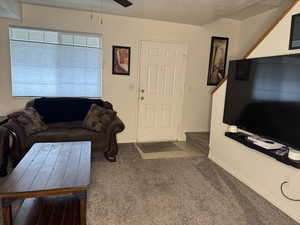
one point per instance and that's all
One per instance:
(260, 172)
(253, 27)
(117, 30)
(277, 43)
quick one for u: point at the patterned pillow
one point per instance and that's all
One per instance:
(98, 118)
(30, 120)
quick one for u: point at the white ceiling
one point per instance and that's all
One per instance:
(195, 12)
(10, 9)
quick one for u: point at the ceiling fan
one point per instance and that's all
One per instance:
(124, 3)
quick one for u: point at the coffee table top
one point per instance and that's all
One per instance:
(49, 169)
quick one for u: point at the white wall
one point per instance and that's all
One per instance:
(117, 30)
(260, 172)
(253, 27)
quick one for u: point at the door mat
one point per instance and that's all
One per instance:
(165, 150)
(155, 147)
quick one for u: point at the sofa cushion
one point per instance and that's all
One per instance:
(55, 110)
(29, 120)
(30, 110)
(66, 125)
(62, 135)
(98, 118)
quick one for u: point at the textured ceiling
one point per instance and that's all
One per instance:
(195, 12)
(10, 9)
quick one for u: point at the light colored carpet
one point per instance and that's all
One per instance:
(184, 191)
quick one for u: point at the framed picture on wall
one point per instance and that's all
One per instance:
(217, 60)
(295, 32)
(121, 60)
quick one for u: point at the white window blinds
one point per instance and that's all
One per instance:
(55, 64)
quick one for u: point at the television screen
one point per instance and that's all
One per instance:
(263, 97)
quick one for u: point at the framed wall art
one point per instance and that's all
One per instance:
(121, 60)
(295, 32)
(217, 60)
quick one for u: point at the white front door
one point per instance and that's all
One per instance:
(162, 76)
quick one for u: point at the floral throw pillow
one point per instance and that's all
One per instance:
(98, 118)
(30, 120)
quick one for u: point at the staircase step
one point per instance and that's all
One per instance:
(198, 139)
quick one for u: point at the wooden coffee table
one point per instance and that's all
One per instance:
(49, 169)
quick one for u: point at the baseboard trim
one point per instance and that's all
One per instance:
(199, 131)
(258, 189)
(120, 141)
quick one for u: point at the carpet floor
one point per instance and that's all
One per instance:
(185, 191)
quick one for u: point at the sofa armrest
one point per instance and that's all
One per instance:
(115, 127)
(18, 136)
(4, 149)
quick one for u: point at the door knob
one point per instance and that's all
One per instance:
(142, 98)
(142, 90)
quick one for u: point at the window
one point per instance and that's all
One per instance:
(55, 64)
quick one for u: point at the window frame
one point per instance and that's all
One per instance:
(101, 67)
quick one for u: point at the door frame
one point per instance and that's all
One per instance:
(179, 125)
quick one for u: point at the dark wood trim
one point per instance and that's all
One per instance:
(82, 196)
(7, 201)
(7, 210)
(248, 53)
(33, 194)
(82, 211)
(60, 210)
(67, 172)
(7, 215)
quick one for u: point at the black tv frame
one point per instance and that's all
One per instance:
(248, 131)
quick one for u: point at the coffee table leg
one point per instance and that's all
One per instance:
(83, 212)
(6, 211)
(82, 196)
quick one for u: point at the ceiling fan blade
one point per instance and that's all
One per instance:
(124, 3)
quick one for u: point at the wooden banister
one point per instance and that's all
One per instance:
(248, 53)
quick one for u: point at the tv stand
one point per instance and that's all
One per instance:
(242, 138)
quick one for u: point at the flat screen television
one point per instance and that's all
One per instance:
(263, 97)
